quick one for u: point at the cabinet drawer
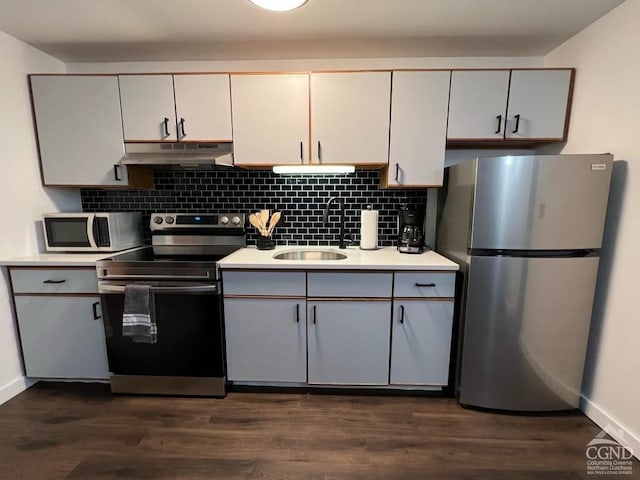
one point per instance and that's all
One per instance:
(349, 284)
(264, 283)
(424, 284)
(54, 280)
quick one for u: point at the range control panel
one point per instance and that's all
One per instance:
(166, 221)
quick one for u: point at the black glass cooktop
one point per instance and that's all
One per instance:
(146, 255)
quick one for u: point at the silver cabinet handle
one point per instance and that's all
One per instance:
(319, 152)
(425, 284)
(401, 313)
(297, 313)
(314, 314)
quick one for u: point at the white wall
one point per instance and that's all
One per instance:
(606, 118)
(22, 198)
(312, 64)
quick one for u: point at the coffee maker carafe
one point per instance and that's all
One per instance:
(410, 230)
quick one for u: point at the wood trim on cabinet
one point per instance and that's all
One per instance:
(139, 176)
(567, 117)
(349, 299)
(56, 294)
(264, 297)
(35, 129)
(73, 75)
(493, 143)
(55, 267)
(204, 140)
(424, 299)
(310, 141)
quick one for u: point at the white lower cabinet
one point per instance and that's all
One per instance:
(266, 339)
(339, 328)
(62, 336)
(421, 342)
(348, 342)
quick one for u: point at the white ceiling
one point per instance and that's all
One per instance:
(146, 30)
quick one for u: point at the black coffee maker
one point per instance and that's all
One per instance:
(410, 230)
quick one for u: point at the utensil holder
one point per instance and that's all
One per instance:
(265, 243)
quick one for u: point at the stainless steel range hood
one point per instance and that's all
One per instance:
(179, 155)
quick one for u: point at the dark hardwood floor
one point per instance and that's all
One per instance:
(76, 431)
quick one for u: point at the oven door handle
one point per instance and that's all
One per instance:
(185, 289)
(155, 277)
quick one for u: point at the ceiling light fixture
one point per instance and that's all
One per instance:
(313, 169)
(279, 5)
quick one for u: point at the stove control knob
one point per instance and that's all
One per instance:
(169, 220)
(235, 220)
(157, 220)
(224, 220)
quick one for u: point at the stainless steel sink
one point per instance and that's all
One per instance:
(310, 255)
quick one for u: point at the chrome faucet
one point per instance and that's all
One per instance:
(325, 219)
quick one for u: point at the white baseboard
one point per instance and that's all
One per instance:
(13, 388)
(603, 419)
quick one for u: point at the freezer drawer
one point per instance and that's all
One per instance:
(526, 327)
(540, 202)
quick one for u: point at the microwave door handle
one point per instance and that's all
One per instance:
(91, 218)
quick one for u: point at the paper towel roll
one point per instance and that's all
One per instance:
(369, 229)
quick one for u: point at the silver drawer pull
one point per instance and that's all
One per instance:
(425, 284)
(54, 281)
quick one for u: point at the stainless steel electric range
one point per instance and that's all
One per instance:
(181, 269)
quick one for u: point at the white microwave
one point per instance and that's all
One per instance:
(92, 232)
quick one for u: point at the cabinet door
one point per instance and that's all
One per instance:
(79, 129)
(478, 104)
(266, 339)
(350, 117)
(419, 107)
(203, 108)
(348, 342)
(148, 108)
(538, 102)
(270, 119)
(421, 342)
(61, 338)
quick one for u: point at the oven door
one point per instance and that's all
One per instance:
(188, 357)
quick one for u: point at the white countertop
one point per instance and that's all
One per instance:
(59, 259)
(386, 258)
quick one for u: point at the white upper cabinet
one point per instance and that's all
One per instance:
(79, 130)
(538, 101)
(203, 108)
(270, 119)
(148, 108)
(497, 105)
(478, 104)
(350, 117)
(198, 110)
(419, 107)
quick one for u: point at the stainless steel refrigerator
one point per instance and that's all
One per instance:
(526, 232)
